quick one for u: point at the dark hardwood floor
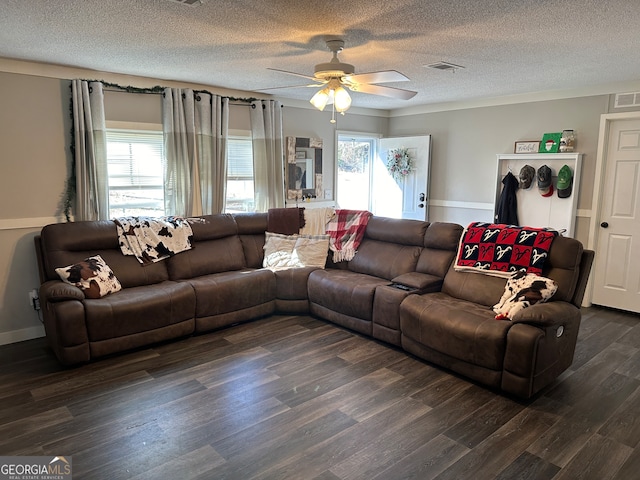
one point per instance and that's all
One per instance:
(296, 397)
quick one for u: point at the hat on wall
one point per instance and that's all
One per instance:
(526, 176)
(565, 182)
(545, 182)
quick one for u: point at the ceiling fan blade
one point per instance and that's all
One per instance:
(384, 76)
(384, 91)
(294, 73)
(312, 85)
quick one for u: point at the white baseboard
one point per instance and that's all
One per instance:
(21, 335)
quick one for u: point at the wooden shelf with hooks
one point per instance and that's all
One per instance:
(534, 210)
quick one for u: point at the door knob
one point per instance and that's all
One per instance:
(421, 197)
(604, 225)
(421, 205)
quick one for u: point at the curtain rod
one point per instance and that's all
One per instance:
(245, 102)
(114, 87)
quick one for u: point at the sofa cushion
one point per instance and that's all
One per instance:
(345, 292)
(440, 246)
(384, 260)
(457, 328)
(291, 283)
(207, 257)
(139, 309)
(65, 243)
(474, 287)
(563, 266)
(93, 276)
(390, 247)
(251, 228)
(225, 292)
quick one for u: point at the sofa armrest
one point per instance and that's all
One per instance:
(59, 291)
(550, 314)
(424, 282)
(540, 346)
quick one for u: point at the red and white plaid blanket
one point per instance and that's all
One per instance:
(346, 230)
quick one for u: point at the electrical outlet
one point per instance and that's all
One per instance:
(34, 299)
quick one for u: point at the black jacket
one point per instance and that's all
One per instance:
(507, 208)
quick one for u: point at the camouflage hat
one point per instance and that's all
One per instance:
(526, 176)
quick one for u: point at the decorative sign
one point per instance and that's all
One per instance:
(527, 147)
(550, 143)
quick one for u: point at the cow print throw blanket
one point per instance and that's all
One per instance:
(153, 239)
(521, 291)
(501, 250)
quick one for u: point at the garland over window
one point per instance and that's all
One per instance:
(399, 163)
(70, 186)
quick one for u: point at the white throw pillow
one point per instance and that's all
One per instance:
(311, 251)
(278, 250)
(294, 251)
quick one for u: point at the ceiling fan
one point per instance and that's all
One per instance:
(336, 77)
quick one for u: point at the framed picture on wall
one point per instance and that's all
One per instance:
(550, 143)
(528, 146)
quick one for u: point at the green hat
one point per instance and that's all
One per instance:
(565, 182)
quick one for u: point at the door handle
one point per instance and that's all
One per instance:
(421, 205)
(604, 225)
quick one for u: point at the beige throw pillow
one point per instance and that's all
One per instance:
(294, 251)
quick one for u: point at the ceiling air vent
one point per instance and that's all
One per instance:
(623, 100)
(192, 3)
(446, 66)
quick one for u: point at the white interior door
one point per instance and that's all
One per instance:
(407, 197)
(616, 281)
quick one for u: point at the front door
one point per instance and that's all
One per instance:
(616, 280)
(405, 196)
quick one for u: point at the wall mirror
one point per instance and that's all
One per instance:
(304, 168)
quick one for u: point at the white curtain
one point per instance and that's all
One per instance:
(195, 133)
(91, 186)
(268, 154)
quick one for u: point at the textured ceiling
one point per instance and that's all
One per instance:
(507, 47)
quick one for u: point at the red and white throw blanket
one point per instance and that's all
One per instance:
(153, 239)
(346, 230)
(500, 250)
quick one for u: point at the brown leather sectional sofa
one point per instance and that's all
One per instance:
(400, 288)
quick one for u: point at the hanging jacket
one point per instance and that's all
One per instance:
(507, 208)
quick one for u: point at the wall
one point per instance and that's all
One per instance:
(34, 127)
(301, 122)
(466, 142)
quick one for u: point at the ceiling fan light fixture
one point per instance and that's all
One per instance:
(342, 100)
(320, 99)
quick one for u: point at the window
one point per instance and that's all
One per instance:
(355, 159)
(240, 192)
(136, 173)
